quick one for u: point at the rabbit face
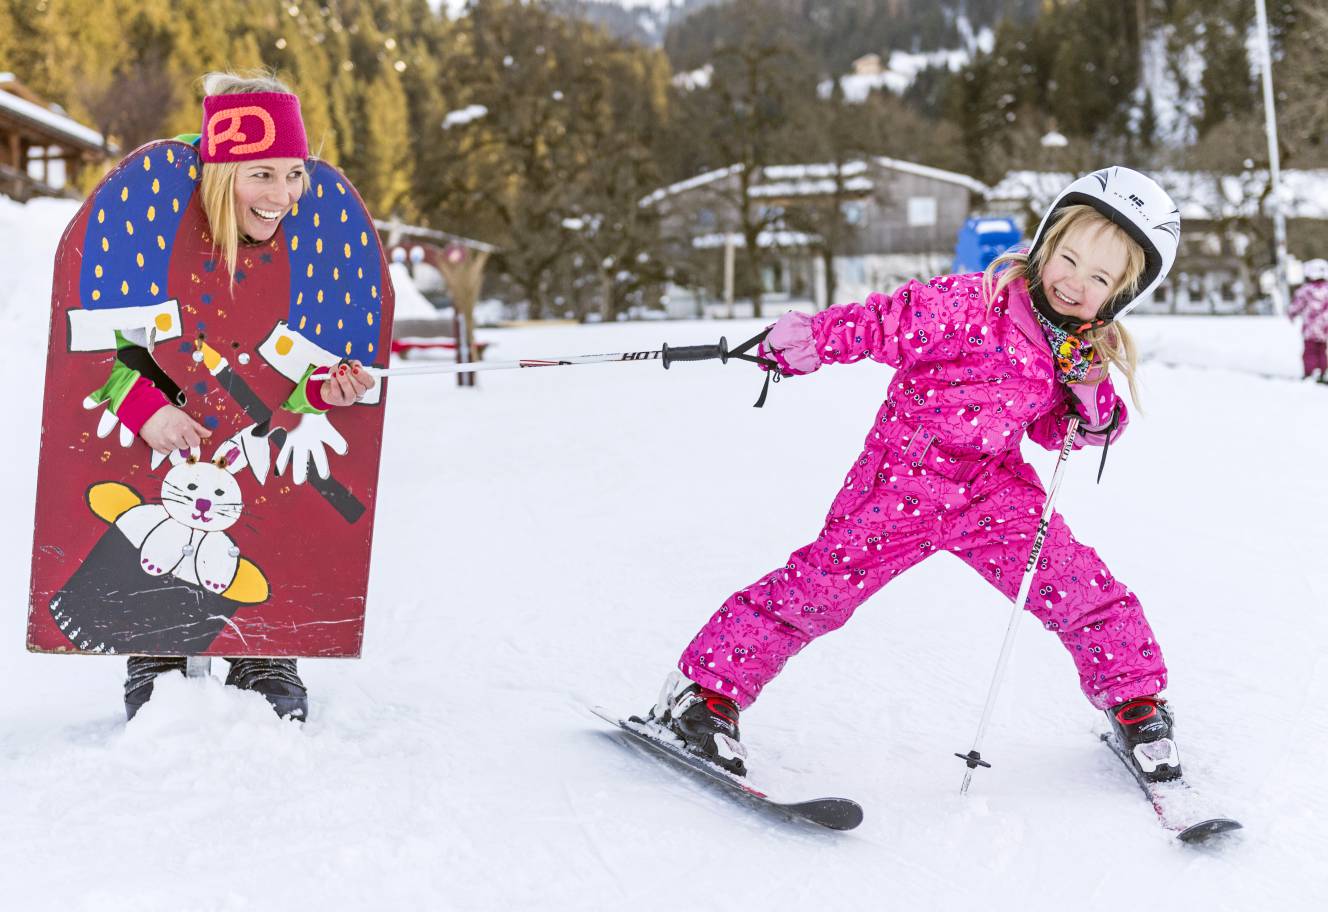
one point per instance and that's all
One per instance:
(202, 495)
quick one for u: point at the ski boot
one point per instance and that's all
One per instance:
(705, 722)
(1144, 727)
(278, 682)
(139, 676)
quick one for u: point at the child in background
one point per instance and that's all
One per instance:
(1310, 305)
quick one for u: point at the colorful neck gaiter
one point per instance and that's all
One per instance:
(1073, 355)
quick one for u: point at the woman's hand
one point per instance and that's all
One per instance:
(347, 384)
(171, 429)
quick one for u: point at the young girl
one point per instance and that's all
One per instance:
(982, 360)
(1310, 306)
(245, 194)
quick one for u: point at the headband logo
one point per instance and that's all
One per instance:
(233, 117)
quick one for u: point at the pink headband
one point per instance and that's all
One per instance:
(244, 126)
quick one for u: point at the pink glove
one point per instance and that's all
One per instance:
(1096, 402)
(791, 344)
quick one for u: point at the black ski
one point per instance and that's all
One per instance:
(832, 813)
(1177, 805)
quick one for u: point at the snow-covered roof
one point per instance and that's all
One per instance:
(939, 174)
(709, 177)
(1199, 194)
(779, 238)
(815, 179)
(58, 124)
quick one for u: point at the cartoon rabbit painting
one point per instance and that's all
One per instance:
(165, 578)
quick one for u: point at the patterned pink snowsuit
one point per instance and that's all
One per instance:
(941, 471)
(1310, 304)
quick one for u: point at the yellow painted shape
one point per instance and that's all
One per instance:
(105, 245)
(249, 586)
(110, 499)
(310, 271)
(124, 288)
(156, 185)
(101, 216)
(210, 357)
(124, 194)
(318, 245)
(129, 227)
(284, 344)
(364, 239)
(315, 219)
(369, 317)
(303, 320)
(139, 258)
(161, 242)
(152, 213)
(295, 242)
(170, 156)
(154, 290)
(346, 250)
(97, 271)
(147, 163)
(96, 295)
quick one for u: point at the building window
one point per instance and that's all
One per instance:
(921, 210)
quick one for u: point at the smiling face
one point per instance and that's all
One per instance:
(202, 496)
(1087, 266)
(265, 190)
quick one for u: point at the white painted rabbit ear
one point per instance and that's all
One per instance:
(229, 457)
(179, 457)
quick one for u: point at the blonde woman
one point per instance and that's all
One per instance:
(248, 184)
(982, 360)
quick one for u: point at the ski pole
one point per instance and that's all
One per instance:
(974, 757)
(667, 355)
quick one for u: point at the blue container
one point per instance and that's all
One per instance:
(982, 240)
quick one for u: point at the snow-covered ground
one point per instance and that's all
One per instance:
(550, 541)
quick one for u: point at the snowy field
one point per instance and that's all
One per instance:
(551, 540)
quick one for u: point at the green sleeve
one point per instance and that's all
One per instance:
(121, 380)
(298, 401)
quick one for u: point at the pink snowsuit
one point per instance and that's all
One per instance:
(1310, 304)
(941, 471)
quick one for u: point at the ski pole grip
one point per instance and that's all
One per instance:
(695, 353)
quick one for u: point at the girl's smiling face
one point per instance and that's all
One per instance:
(265, 190)
(1084, 270)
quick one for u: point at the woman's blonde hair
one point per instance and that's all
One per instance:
(1111, 342)
(217, 187)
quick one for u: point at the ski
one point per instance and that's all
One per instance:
(832, 813)
(1177, 805)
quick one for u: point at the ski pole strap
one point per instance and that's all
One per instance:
(1106, 440)
(771, 366)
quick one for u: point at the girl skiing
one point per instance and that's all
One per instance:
(245, 191)
(1310, 306)
(982, 360)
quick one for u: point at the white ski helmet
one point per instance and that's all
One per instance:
(1316, 270)
(1137, 204)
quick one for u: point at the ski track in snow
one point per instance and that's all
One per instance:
(549, 542)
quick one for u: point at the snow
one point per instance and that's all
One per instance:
(409, 302)
(464, 116)
(455, 765)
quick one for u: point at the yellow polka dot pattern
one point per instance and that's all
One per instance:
(126, 255)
